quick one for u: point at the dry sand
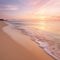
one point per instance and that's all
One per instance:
(11, 50)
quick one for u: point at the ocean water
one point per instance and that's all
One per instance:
(46, 34)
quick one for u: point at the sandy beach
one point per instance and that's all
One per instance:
(22, 48)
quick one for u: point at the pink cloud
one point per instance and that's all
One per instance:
(8, 7)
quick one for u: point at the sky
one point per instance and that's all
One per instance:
(29, 9)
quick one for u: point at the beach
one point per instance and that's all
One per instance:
(19, 47)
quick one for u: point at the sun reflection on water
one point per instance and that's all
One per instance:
(42, 25)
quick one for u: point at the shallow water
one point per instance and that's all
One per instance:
(45, 33)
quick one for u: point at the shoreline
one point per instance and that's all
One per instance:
(42, 45)
(37, 52)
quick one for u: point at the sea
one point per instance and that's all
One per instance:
(46, 34)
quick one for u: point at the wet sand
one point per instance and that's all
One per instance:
(12, 50)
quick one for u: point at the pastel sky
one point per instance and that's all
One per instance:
(18, 9)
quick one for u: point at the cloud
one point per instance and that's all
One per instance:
(22, 4)
(53, 3)
(8, 7)
(33, 3)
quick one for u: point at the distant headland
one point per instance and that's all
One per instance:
(3, 20)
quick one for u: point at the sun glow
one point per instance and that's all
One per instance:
(42, 17)
(41, 14)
